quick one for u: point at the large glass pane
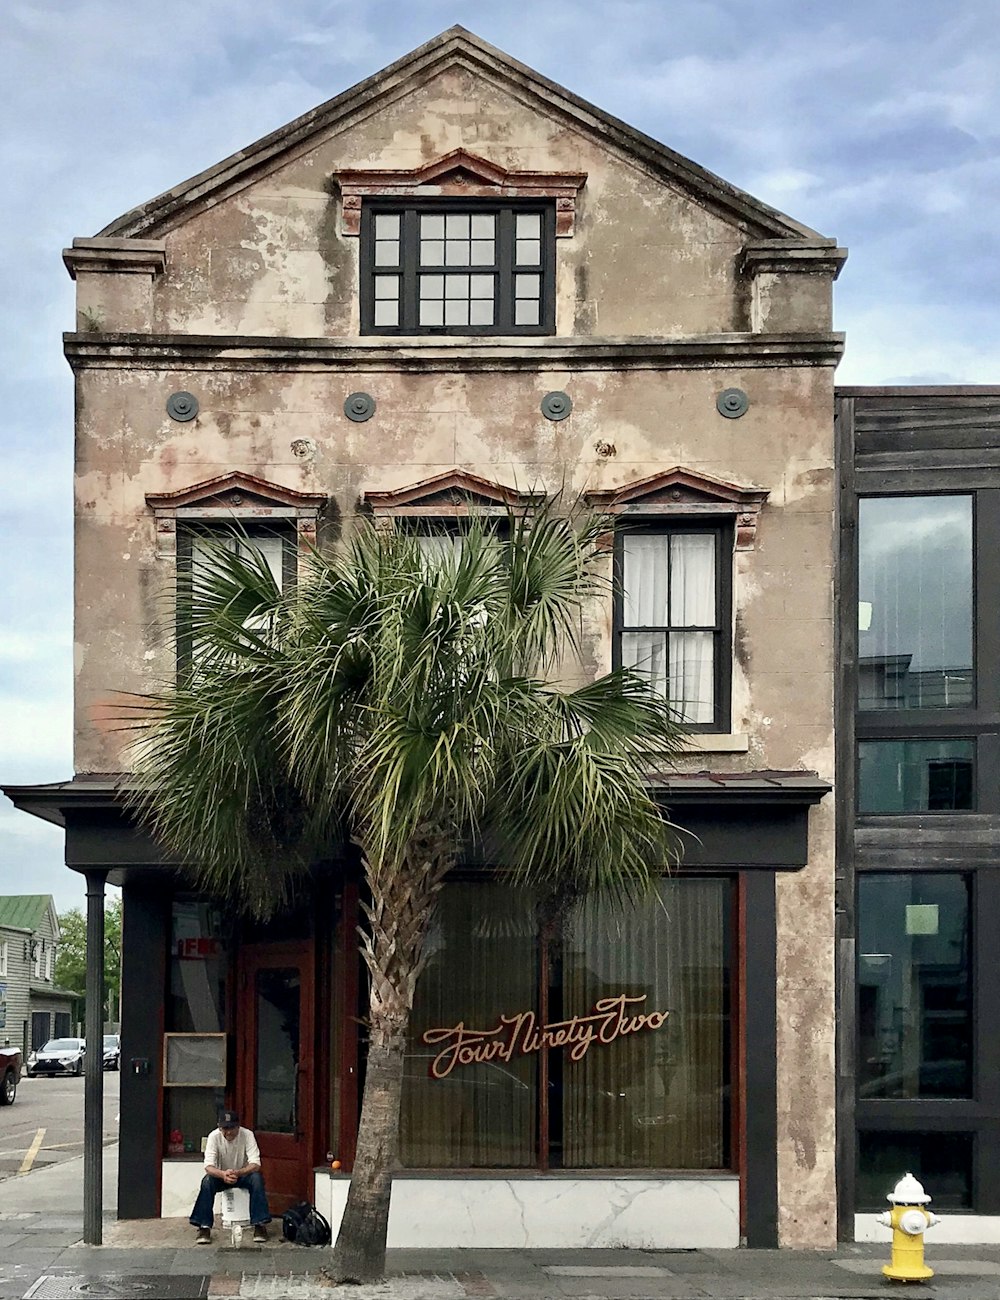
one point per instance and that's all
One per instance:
(657, 1098)
(915, 602)
(196, 1004)
(692, 580)
(941, 1161)
(914, 985)
(899, 776)
(481, 964)
(278, 999)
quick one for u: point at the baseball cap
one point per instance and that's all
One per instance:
(228, 1119)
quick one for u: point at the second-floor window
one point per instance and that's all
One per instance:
(674, 617)
(195, 548)
(3, 957)
(453, 268)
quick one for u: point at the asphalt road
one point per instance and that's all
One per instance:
(45, 1124)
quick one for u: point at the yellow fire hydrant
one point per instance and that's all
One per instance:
(909, 1220)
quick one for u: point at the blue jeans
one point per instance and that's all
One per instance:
(203, 1214)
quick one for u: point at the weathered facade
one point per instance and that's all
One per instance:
(33, 1008)
(627, 327)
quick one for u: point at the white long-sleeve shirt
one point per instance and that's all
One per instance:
(220, 1154)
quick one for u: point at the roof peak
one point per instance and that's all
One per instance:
(460, 46)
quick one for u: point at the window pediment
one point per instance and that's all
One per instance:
(458, 174)
(679, 491)
(232, 496)
(452, 495)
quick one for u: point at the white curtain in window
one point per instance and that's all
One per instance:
(646, 652)
(692, 580)
(645, 580)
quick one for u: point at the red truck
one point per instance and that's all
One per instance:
(10, 1074)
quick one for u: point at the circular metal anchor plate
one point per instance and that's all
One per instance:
(732, 403)
(182, 407)
(556, 406)
(359, 407)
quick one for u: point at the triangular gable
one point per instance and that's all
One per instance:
(455, 47)
(459, 173)
(450, 495)
(236, 493)
(685, 492)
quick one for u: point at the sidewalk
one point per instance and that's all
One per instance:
(42, 1257)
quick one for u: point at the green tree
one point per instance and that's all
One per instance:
(71, 957)
(405, 697)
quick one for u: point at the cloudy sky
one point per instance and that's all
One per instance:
(877, 121)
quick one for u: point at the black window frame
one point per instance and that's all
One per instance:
(723, 531)
(250, 528)
(505, 268)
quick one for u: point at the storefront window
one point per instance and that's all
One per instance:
(603, 1043)
(942, 1161)
(914, 985)
(197, 1004)
(900, 776)
(915, 602)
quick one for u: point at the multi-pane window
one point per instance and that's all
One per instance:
(3, 957)
(674, 611)
(457, 269)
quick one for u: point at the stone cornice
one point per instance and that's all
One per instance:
(128, 256)
(816, 257)
(212, 352)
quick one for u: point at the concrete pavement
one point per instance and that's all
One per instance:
(42, 1257)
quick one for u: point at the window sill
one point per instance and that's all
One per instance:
(712, 742)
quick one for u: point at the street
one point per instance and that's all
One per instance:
(45, 1126)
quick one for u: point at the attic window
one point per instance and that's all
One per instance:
(457, 268)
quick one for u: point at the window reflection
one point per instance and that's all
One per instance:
(915, 602)
(898, 776)
(914, 990)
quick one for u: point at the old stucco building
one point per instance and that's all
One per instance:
(450, 286)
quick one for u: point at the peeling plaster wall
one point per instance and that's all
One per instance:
(646, 260)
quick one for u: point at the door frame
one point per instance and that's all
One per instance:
(298, 1149)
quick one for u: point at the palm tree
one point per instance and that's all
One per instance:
(403, 696)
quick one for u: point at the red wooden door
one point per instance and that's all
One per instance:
(275, 1080)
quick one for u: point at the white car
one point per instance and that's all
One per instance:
(58, 1056)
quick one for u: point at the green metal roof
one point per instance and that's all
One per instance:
(23, 911)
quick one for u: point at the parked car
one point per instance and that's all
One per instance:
(112, 1051)
(10, 1073)
(58, 1056)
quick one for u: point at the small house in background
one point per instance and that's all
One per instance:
(32, 1008)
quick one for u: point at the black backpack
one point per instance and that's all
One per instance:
(304, 1225)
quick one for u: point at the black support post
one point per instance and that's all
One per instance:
(93, 1096)
(761, 1077)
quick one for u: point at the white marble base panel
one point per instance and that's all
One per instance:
(552, 1212)
(953, 1230)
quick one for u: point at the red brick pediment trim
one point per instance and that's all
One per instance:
(235, 491)
(458, 174)
(678, 492)
(450, 495)
(233, 496)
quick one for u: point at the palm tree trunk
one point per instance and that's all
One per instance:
(360, 1249)
(400, 912)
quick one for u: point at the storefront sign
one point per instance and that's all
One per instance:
(198, 948)
(520, 1034)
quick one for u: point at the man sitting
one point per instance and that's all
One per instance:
(232, 1159)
